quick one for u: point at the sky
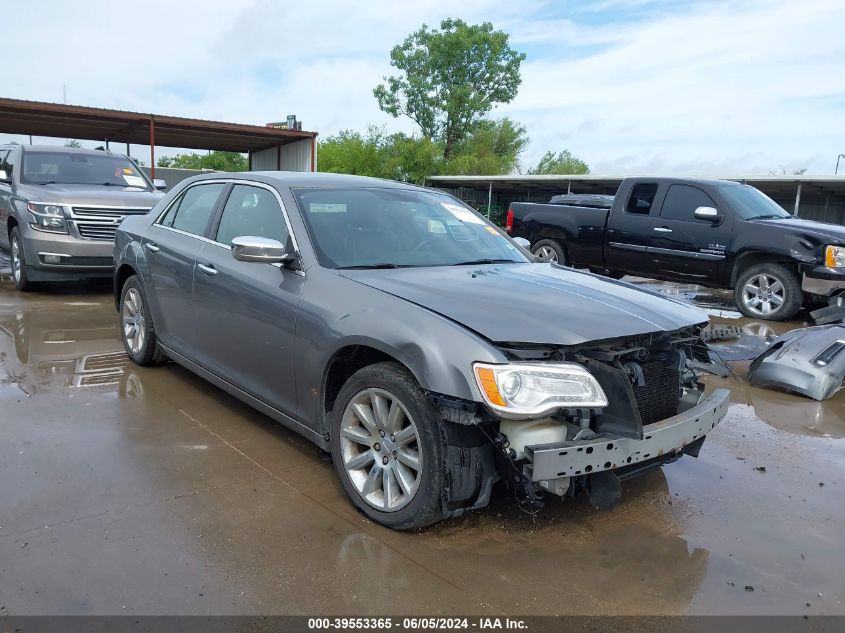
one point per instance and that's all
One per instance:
(713, 88)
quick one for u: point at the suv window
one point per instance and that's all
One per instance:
(682, 201)
(3, 153)
(641, 198)
(252, 211)
(193, 211)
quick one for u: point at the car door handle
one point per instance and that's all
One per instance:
(152, 247)
(207, 269)
(662, 229)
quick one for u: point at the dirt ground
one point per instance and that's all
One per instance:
(147, 491)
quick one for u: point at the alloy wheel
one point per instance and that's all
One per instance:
(380, 449)
(763, 294)
(546, 254)
(132, 317)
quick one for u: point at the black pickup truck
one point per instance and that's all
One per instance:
(714, 233)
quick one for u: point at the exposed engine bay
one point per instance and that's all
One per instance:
(656, 412)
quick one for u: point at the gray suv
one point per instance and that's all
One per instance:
(60, 208)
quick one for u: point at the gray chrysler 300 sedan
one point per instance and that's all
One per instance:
(398, 329)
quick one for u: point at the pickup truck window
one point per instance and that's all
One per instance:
(641, 198)
(750, 203)
(682, 201)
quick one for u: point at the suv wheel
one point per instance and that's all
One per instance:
(18, 262)
(387, 449)
(769, 291)
(549, 251)
(136, 325)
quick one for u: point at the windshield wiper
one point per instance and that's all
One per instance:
(473, 262)
(115, 184)
(769, 217)
(369, 266)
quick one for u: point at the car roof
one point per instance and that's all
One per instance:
(308, 179)
(34, 149)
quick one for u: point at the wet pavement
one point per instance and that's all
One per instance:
(149, 491)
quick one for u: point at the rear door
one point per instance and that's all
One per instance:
(683, 247)
(245, 312)
(629, 229)
(171, 247)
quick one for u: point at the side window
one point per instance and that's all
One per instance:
(682, 201)
(192, 213)
(641, 198)
(3, 153)
(252, 211)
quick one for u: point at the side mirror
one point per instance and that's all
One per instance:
(4, 177)
(708, 214)
(521, 241)
(159, 184)
(249, 248)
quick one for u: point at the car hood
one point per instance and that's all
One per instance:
(533, 303)
(92, 194)
(825, 230)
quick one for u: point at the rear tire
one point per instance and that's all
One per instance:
(769, 291)
(136, 325)
(18, 261)
(387, 449)
(549, 251)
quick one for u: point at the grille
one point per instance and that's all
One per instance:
(113, 212)
(96, 231)
(658, 398)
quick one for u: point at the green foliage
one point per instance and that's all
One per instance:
(450, 78)
(562, 163)
(496, 214)
(73, 143)
(218, 161)
(492, 147)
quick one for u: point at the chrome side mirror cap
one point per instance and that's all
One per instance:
(521, 241)
(708, 214)
(159, 184)
(249, 248)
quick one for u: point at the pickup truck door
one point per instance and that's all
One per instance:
(629, 228)
(683, 247)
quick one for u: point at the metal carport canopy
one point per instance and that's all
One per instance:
(119, 126)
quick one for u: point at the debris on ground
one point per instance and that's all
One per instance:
(760, 469)
(749, 588)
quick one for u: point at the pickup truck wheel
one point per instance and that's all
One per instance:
(386, 447)
(17, 261)
(769, 291)
(549, 251)
(136, 326)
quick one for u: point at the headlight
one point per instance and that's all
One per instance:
(523, 389)
(48, 217)
(834, 256)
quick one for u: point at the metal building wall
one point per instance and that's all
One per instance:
(294, 156)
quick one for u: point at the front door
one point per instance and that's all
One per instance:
(246, 311)
(683, 247)
(171, 247)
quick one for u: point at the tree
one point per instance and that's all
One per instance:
(349, 152)
(73, 143)
(450, 78)
(562, 163)
(490, 148)
(217, 161)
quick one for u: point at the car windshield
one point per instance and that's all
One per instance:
(387, 228)
(751, 204)
(81, 169)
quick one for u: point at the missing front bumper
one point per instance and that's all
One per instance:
(669, 436)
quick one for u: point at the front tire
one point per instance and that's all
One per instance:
(136, 325)
(768, 291)
(18, 261)
(387, 448)
(549, 251)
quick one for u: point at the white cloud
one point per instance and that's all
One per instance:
(712, 88)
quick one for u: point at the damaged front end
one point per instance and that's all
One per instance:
(652, 411)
